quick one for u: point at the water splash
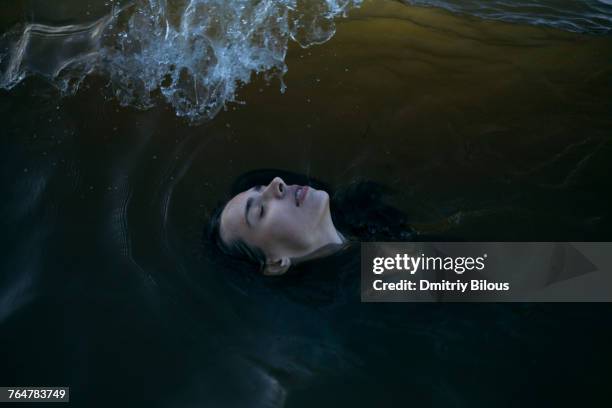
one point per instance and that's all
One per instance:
(193, 53)
(196, 54)
(64, 55)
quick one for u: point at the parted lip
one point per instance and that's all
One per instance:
(300, 194)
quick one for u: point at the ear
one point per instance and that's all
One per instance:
(277, 267)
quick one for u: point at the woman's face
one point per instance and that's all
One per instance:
(283, 221)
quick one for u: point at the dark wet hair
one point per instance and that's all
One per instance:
(358, 210)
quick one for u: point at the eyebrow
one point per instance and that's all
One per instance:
(249, 203)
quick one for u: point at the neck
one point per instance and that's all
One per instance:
(331, 234)
(325, 250)
(330, 239)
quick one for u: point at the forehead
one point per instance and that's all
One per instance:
(232, 217)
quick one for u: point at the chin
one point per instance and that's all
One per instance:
(320, 197)
(323, 202)
(325, 195)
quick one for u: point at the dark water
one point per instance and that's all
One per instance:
(583, 16)
(487, 130)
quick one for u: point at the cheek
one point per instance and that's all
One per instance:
(288, 227)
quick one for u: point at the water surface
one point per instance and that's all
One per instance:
(487, 130)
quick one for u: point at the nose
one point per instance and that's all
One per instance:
(276, 188)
